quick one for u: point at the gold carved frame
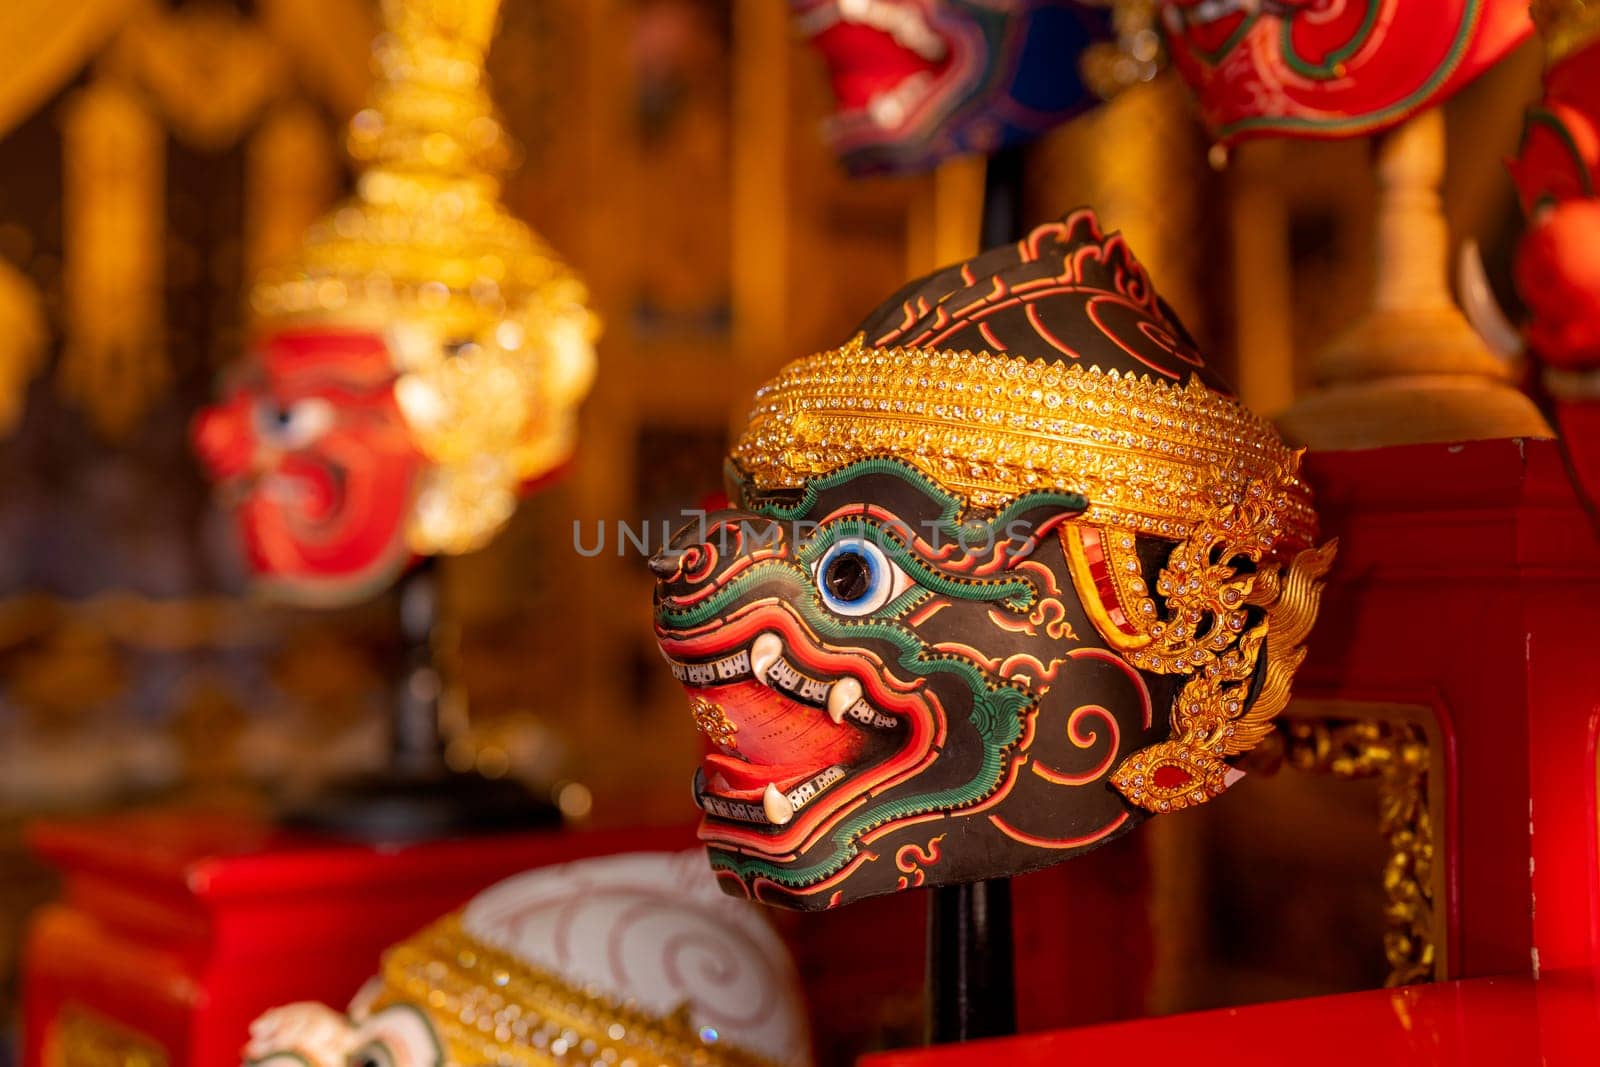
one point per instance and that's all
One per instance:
(1401, 746)
(83, 1038)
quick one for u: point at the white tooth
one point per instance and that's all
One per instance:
(777, 806)
(929, 48)
(817, 20)
(845, 692)
(735, 666)
(886, 109)
(764, 652)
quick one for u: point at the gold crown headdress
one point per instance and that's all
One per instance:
(1149, 456)
(488, 1006)
(489, 330)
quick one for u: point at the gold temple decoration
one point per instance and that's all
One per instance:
(1566, 25)
(1264, 312)
(203, 73)
(43, 43)
(290, 177)
(81, 1038)
(330, 44)
(168, 624)
(1397, 754)
(488, 1006)
(489, 329)
(208, 70)
(1137, 160)
(1150, 457)
(113, 363)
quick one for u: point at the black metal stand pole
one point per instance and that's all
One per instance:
(971, 979)
(1002, 198)
(417, 796)
(416, 741)
(971, 973)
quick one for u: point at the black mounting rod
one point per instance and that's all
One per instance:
(1002, 198)
(972, 987)
(971, 976)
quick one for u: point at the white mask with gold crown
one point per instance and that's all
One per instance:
(637, 958)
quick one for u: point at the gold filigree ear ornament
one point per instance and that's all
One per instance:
(1213, 584)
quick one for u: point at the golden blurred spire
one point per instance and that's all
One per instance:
(489, 329)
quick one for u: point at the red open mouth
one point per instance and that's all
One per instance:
(1210, 23)
(775, 740)
(798, 731)
(883, 55)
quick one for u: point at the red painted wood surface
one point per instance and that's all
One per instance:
(1481, 1022)
(184, 926)
(1468, 581)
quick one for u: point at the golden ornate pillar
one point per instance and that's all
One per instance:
(114, 362)
(24, 333)
(290, 177)
(1263, 306)
(760, 189)
(945, 215)
(1138, 160)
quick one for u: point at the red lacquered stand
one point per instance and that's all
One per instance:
(1468, 582)
(1467, 589)
(1482, 1022)
(175, 929)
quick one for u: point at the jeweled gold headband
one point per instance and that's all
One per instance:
(487, 1006)
(1150, 456)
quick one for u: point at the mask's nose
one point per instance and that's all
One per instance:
(701, 550)
(222, 438)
